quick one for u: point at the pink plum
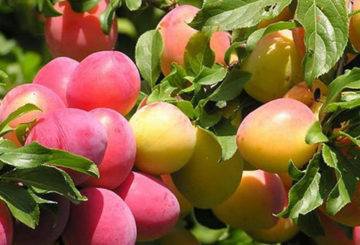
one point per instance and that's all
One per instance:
(77, 35)
(104, 79)
(154, 206)
(73, 130)
(120, 151)
(50, 226)
(102, 220)
(35, 94)
(6, 225)
(56, 74)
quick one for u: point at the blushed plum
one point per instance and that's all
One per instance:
(120, 151)
(165, 138)
(102, 220)
(104, 79)
(155, 208)
(50, 226)
(77, 35)
(176, 33)
(35, 94)
(73, 130)
(259, 195)
(56, 74)
(263, 136)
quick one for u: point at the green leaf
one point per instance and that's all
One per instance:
(348, 100)
(133, 4)
(22, 130)
(351, 79)
(346, 184)
(47, 8)
(15, 114)
(21, 204)
(326, 34)
(304, 196)
(186, 107)
(198, 53)
(232, 86)
(294, 172)
(315, 135)
(81, 6)
(256, 36)
(205, 119)
(177, 77)
(310, 224)
(38, 199)
(107, 17)
(147, 55)
(230, 15)
(34, 155)
(210, 76)
(47, 178)
(162, 92)
(225, 134)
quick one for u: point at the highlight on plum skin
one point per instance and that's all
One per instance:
(50, 227)
(120, 152)
(154, 206)
(56, 74)
(61, 130)
(77, 35)
(36, 94)
(103, 219)
(104, 79)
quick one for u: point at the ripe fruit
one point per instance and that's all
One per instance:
(284, 230)
(6, 225)
(350, 214)
(165, 138)
(185, 206)
(334, 235)
(120, 151)
(35, 94)
(154, 207)
(104, 79)
(56, 74)
(354, 32)
(205, 181)
(77, 35)
(176, 33)
(275, 66)
(179, 236)
(73, 130)
(103, 219)
(258, 196)
(285, 15)
(263, 137)
(51, 226)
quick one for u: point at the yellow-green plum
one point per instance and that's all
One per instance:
(179, 236)
(165, 138)
(273, 134)
(205, 181)
(275, 66)
(176, 33)
(258, 197)
(185, 205)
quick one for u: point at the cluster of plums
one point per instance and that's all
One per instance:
(83, 101)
